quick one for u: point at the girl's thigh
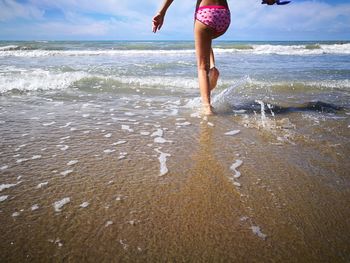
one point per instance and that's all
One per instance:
(203, 36)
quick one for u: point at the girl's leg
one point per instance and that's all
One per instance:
(203, 38)
(213, 72)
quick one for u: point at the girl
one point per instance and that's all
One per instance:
(212, 18)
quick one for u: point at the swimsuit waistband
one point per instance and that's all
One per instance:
(213, 6)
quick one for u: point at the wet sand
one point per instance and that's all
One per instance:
(290, 203)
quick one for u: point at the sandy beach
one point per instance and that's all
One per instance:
(123, 168)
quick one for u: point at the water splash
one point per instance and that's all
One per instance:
(229, 98)
(263, 115)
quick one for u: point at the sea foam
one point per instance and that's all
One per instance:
(264, 49)
(42, 185)
(257, 231)
(162, 160)
(234, 167)
(6, 186)
(3, 198)
(59, 204)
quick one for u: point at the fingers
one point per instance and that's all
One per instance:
(157, 23)
(155, 27)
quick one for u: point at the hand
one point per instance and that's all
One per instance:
(157, 22)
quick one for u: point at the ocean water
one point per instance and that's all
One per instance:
(102, 143)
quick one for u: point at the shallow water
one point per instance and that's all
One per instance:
(112, 161)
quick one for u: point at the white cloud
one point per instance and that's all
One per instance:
(10, 9)
(297, 17)
(126, 8)
(131, 19)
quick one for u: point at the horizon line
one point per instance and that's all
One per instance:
(171, 40)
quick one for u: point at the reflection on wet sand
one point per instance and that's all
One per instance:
(199, 221)
(119, 209)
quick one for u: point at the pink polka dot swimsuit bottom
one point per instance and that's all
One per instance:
(214, 16)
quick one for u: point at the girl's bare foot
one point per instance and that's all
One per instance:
(207, 109)
(213, 77)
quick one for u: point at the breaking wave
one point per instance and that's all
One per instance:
(263, 49)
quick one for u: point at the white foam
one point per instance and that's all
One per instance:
(56, 241)
(108, 223)
(3, 198)
(72, 162)
(15, 214)
(63, 147)
(59, 204)
(234, 167)
(301, 49)
(86, 115)
(162, 160)
(9, 47)
(66, 172)
(20, 147)
(160, 140)
(186, 123)
(244, 218)
(145, 133)
(84, 204)
(108, 151)
(38, 79)
(127, 128)
(264, 49)
(132, 222)
(108, 135)
(72, 53)
(231, 133)
(210, 124)
(257, 231)
(4, 167)
(125, 246)
(119, 142)
(65, 126)
(239, 111)
(49, 123)
(119, 198)
(34, 207)
(22, 160)
(158, 133)
(7, 186)
(195, 115)
(34, 157)
(42, 185)
(122, 155)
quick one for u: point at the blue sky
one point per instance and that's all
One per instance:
(131, 20)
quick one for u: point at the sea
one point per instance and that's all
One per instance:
(105, 155)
